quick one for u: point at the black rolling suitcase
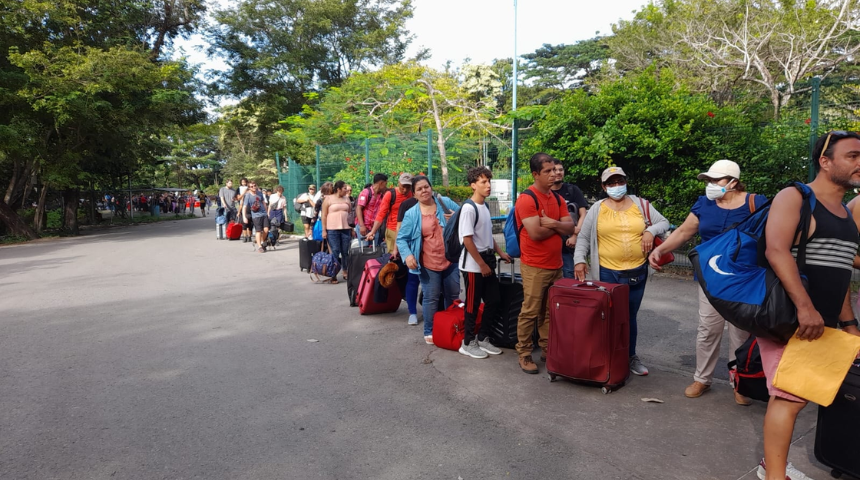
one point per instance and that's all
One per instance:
(836, 443)
(357, 258)
(503, 326)
(307, 249)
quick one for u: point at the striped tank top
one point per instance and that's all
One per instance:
(829, 261)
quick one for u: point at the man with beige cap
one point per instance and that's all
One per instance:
(388, 208)
(724, 204)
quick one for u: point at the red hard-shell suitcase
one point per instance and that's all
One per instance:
(589, 333)
(449, 326)
(366, 303)
(234, 231)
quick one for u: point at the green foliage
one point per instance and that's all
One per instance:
(458, 194)
(561, 67)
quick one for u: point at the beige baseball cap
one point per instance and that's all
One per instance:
(722, 169)
(610, 172)
(405, 179)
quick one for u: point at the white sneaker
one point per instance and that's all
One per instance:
(791, 473)
(413, 320)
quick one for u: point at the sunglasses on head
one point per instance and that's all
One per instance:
(838, 133)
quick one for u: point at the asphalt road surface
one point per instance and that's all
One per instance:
(157, 352)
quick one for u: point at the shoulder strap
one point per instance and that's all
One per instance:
(805, 222)
(393, 197)
(751, 202)
(528, 192)
(645, 205)
(444, 207)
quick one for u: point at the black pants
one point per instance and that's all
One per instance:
(479, 287)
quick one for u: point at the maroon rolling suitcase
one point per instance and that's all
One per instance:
(367, 304)
(589, 333)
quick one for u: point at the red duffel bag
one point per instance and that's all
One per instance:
(449, 326)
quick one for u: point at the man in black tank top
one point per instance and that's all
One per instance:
(831, 250)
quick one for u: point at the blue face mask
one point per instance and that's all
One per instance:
(616, 192)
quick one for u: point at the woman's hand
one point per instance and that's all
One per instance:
(571, 241)
(325, 234)
(654, 258)
(411, 262)
(647, 242)
(580, 271)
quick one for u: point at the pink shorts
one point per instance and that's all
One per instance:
(771, 353)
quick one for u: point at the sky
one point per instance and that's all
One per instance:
(483, 30)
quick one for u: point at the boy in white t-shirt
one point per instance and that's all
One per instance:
(478, 264)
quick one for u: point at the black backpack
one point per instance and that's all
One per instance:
(747, 374)
(451, 233)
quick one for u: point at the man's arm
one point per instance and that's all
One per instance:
(469, 245)
(847, 314)
(565, 226)
(536, 231)
(780, 231)
(382, 214)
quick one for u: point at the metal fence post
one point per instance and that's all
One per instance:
(813, 125)
(318, 168)
(515, 158)
(430, 155)
(366, 161)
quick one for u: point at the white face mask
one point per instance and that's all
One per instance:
(616, 192)
(715, 192)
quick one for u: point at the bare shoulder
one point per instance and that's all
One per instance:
(788, 197)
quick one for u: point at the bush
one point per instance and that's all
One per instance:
(458, 194)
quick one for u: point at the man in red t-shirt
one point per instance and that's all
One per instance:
(544, 220)
(388, 208)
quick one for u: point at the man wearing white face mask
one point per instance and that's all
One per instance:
(724, 205)
(619, 234)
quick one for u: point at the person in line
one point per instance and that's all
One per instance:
(326, 189)
(192, 200)
(421, 244)
(240, 200)
(204, 202)
(367, 207)
(335, 209)
(575, 201)
(544, 221)
(307, 201)
(478, 264)
(618, 238)
(830, 252)
(725, 204)
(254, 212)
(227, 196)
(412, 280)
(277, 207)
(386, 217)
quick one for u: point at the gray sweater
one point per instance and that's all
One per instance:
(586, 242)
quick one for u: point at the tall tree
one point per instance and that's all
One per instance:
(564, 67)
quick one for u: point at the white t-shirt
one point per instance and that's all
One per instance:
(277, 201)
(242, 189)
(482, 233)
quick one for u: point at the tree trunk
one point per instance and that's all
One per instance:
(70, 211)
(40, 221)
(15, 224)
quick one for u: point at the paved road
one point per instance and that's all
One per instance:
(156, 352)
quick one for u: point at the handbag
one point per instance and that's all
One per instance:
(324, 264)
(317, 231)
(667, 257)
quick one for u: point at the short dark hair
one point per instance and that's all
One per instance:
(835, 137)
(557, 161)
(475, 173)
(280, 189)
(420, 178)
(538, 159)
(379, 177)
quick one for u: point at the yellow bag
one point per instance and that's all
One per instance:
(815, 370)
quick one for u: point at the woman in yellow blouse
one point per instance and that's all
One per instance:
(618, 236)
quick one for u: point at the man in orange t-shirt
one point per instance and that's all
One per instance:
(544, 220)
(386, 217)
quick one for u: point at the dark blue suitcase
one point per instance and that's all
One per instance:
(836, 443)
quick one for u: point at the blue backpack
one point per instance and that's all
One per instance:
(735, 276)
(513, 228)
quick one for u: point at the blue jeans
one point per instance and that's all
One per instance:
(339, 242)
(636, 279)
(435, 284)
(567, 267)
(412, 293)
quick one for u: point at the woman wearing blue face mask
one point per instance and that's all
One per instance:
(618, 232)
(724, 204)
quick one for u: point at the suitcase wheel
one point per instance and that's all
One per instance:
(835, 473)
(552, 377)
(606, 390)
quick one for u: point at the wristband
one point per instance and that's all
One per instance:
(848, 323)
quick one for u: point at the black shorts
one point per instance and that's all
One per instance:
(261, 223)
(306, 220)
